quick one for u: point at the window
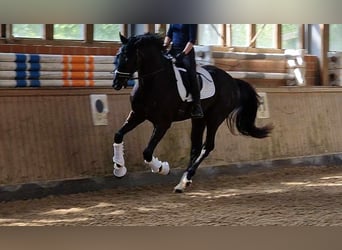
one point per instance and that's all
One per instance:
(71, 34)
(335, 37)
(106, 32)
(28, 30)
(240, 35)
(275, 36)
(287, 36)
(209, 34)
(290, 36)
(265, 36)
(68, 31)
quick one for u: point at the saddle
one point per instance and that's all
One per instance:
(207, 87)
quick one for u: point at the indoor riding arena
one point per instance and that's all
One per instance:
(59, 115)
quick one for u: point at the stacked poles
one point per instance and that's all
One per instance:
(43, 70)
(335, 68)
(294, 59)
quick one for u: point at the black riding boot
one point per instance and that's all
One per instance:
(196, 109)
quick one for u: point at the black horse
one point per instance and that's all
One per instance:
(156, 99)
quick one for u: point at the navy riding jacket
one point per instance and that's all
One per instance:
(181, 34)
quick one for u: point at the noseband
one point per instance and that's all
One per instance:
(129, 75)
(123, 74)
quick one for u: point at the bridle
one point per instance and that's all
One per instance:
(129, 76)
(123, 74)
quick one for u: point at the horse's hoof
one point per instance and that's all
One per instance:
(119, 171)
(177, 191)
(183, 184)
(179, 188)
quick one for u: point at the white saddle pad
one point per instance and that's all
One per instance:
(208, 87)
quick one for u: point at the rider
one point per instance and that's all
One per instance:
(183, 38)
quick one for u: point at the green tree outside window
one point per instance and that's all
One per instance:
(106, 32)
(28, 30)
(335, 37)
(68, 31)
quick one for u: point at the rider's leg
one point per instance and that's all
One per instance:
(190, 64)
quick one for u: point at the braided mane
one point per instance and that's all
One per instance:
(145, 40)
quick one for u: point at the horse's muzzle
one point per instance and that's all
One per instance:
(118, 83)
(116, 86)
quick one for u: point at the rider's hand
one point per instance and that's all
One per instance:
(179, 57)
(165, 47)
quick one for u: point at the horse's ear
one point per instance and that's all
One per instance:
(123, 39)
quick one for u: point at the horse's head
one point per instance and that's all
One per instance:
(140, 53)
(125, 63)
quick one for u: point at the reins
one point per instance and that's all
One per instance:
(151, 73)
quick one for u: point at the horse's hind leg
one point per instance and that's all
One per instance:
(198, 157)
(198, 126)
(131, 122)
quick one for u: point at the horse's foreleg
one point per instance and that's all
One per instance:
(131, 122)
(156, 165)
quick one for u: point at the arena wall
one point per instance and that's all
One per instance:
(48, 134)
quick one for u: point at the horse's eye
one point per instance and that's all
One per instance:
(123, 58)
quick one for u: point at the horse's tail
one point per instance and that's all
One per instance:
(245, 113)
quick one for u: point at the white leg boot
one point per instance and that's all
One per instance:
(158, 166)
(119, 161)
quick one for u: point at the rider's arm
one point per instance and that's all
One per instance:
(188, 47)
(167, 41)
(192, 38)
